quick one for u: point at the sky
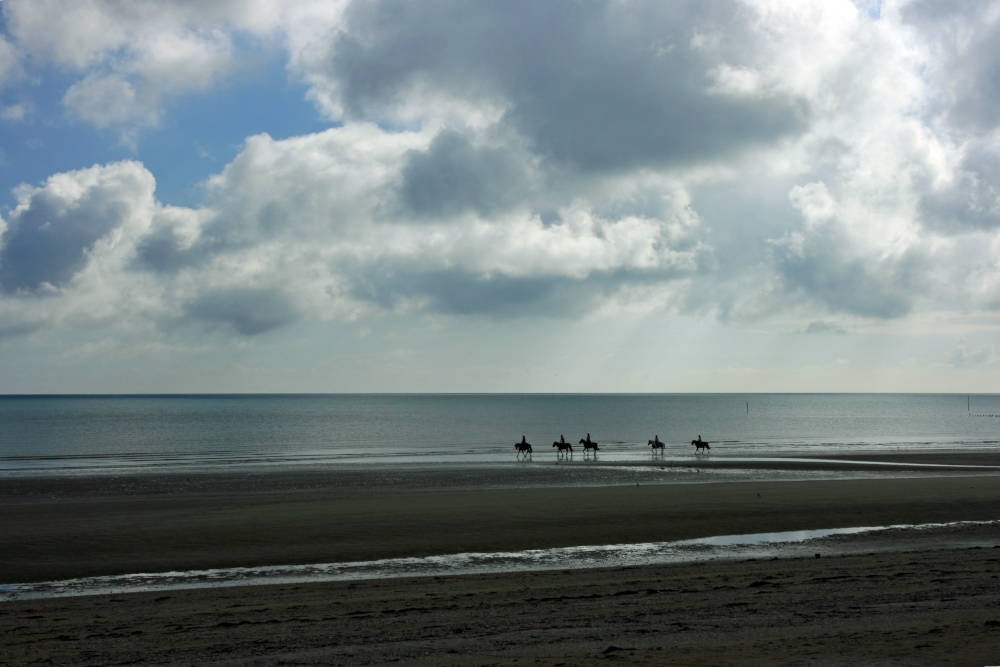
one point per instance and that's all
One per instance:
(476, 196)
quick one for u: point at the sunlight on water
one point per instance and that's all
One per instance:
(757, 545)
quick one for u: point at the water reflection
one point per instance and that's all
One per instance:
(756, 545)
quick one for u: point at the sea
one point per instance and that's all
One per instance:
(90, 434)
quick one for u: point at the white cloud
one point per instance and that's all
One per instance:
(16, 112)
(815, 202)
(305, 228)
(107, 101)
(9, 62)
(132, 55)
(189, 60)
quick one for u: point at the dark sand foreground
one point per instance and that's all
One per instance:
(933, 600)
(932, 608)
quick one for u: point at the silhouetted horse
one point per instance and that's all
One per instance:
(655, 443)
(588, 444)
(523, 447)
(699, 445)
(564, 447)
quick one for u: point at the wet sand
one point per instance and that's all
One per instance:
(932, 602)
(84, 531)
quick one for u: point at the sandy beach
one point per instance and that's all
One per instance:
(930, 600)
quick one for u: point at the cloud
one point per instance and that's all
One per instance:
(831, 260)
(246, 310)
(80, 35)
(10, 63)
(55, 228)
(970, 199)
(135, 54)
(821, 327)
(307, 217)
(88, 100)
(167, 247)
(16, 112)
(336, 202)
(453, 176)
(827, 268)
(968, 355)
(595, 89)
(963, 41)
(17, 329)
(465, 292)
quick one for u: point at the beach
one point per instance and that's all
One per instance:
(911, 597)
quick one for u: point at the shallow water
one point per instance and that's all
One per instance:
(123, 434)
(757, 545)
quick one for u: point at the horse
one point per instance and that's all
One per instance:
(564, 447)
(656, 444)
(588, 444)
(523, 447)
(699, 445)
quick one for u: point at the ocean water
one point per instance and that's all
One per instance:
(92, 434)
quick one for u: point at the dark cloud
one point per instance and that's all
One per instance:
(462, 292)
(48, 241)
(826, 268)
(972, 201)
(246, 310)
(965, 37)
(453, 176)
(161, 251)
(18, 329)
(591, 85)
(459, 292)
(52, 232)
(964, 71)
(821, 327)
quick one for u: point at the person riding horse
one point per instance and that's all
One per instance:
(588, 444)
